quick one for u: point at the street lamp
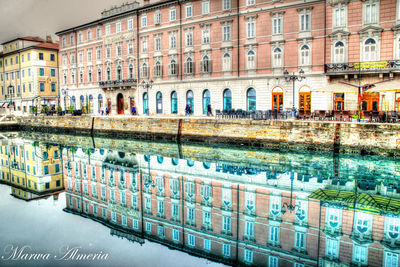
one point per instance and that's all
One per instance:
(65, 93)
(294, 78)
(147, 85)
(11, 92)
(290, 206)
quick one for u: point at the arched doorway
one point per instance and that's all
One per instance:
(190, 100)
(305, 98)
(120, 104)
(251, 99)
(277, 98)
(227, 102)
(174, 102)
(206, 100)
(100, 103)
(159, 103)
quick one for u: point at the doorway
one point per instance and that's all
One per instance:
(120, 104)
(277, 101)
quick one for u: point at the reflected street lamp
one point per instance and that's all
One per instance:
(290, 206)
(11, 92)
(294, 78)
(147, 85)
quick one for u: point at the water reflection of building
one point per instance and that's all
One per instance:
(31, 168)
(234, 214)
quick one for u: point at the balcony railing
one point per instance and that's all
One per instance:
(118, 83)
(356, 67)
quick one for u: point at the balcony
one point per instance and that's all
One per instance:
(118, 84)
(383, 66)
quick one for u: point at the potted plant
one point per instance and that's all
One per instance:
(59, 111)
(70, 109)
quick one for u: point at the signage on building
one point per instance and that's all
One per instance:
(371, 65)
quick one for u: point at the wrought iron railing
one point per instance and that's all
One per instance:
(384, 65)
(118, 83)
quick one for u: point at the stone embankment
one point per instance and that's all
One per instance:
(364, 138)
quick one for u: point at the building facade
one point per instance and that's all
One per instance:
(233, 214)
(233, 55)
(29, 74)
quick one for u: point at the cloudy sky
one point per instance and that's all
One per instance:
(43, 17)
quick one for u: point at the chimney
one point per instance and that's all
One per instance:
(48, 39)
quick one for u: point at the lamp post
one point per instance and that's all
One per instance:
(147, 85)
(11, 92)
(293, 77)
(290, 206)
(65, 93)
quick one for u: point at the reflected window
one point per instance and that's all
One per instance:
(274, 235)
(226, 250)
(175, 161)
(275, 205)
(174, 186)
(362, 222)
(146, 158)
(393, 224)
(226, 224)
(160, 159)
(391, 259)
(272, 261)
(175, 234)
(333, 217)
(226, 196)
(301, 210)
(190, 163)
(190, 189)
(250, 198)
(360, 254)
(332, 246)
(206, 192)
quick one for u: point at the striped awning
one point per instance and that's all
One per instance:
(367, 202)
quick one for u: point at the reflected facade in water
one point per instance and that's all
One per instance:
(340, 212)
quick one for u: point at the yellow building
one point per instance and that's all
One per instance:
(29, 74)
(31, 168)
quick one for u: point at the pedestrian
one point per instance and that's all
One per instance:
(133, 110)
(107, 111)
(187, 110)
(209, 110)
(190, 110)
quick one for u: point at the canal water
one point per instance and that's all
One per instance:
(84, 201)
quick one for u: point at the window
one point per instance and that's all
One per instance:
(338, 101)
(189, 66)
(305, 55)
(332, 248)
(362, 222)
(339, 54)
(277, 25)
(145, 70)
(64, 41)
(205, 65)
(53, 73)
(207, 244)
(227, 101)
(40, 56)
(333, 216)
(174, 108)
(172, 14)
(339, 16)
(157, 43)
(206, 35)
(118, 27)
(143, 20)
(157, 69)
(206, 190)
(189, 39)
(160, 207)
(250, 198)
(272, 261)
(226, 32)
(226, 250)
(172, 41)
(175, 235)
(226, 4)
(251, 99)
(148, 227)
(175, 211)
(98, 74)
(275, 205)
(226, 224)
(119, 50)
(191, 240)
(145, 103)
(249, 229)
(305, 20)
(80, 57)
(130, 71)
(300, 240)
(98, 53)
(274, 235)
(89, 55)
(108, 30)
(98, 32)
(370, 50)
(80, 37)
(251, 28)
(251, 60)
(53, 87)
(89, 35)
(391, 259)
(41, 72)
(189, 10)
(41, 87)
(144, 45)
(360, 254)
(227, 62)
(205, 7)
(248, 256)
(130, 48)
(52, 57)
(393, 227)
(46, 170)
(206, 218)
(277, 60)
(119, 73)
(371, 12)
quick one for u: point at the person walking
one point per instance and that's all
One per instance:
(209, 110)
(133, 110)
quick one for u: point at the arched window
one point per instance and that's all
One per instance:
(174, 102)
(159, 103)
(173, 68)
(206, 100)
(160, 159)
(226, 62)
(339, 52)
(146, 158)
(100, 102)
(130, 71)
(73, 102)
(206, 165)
(157, 69)
(205, 65)
(108, 74)
(370, 50)
(90, 107)
(81, 76)
(119, 73)
(189, 68)
(227, 105)
(251, 99)
(305, 55)
(81, 101)
(277, 57)
(251, 60)
(190, 163)
(145, 103)
(175, 161)
(190, 100)
(145, 70)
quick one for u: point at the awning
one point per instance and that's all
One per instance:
(336, 88)
(371, 203)
(392, 86)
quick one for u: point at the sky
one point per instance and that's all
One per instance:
(43, 17)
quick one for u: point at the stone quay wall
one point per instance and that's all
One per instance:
(364, 138)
